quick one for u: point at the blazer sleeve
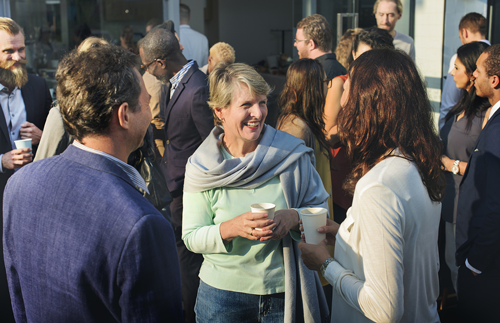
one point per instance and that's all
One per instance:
(201, 113)
(148, 273)
(486, 246)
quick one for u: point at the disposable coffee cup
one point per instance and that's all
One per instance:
(312, 219)
(23, 143)
(267, 208)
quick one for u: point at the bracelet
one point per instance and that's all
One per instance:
(325, 264)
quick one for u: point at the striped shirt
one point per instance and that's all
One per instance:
(131, 172)
(176, 79)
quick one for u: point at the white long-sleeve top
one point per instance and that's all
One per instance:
(387, 262)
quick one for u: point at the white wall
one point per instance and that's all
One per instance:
(429, 26)
(246, 25)
(403, 25)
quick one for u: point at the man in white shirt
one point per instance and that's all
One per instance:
(195, 43)
(472, 27)
(387, 13)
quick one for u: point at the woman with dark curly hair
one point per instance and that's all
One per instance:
(386, 262)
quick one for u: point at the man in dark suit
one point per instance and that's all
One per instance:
(478, 217)
(81, 243)
(25, 101)
(188, 121)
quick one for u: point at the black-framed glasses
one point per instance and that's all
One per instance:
(328, 82)
(145, 67)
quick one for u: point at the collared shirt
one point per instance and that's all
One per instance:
(14, 112)
(494, 109)
(131, 172)
(176, 79)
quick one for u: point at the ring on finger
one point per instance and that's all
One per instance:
(251, 232)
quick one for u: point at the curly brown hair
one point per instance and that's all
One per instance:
(317, 29)
(387, 111)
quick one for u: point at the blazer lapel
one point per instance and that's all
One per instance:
(478, 141)
(178, 91)
(29, 104)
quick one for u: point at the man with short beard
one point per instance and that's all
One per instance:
(25, 101)
(188, 121)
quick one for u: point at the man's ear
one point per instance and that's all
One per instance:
(495, 82)
(312, 45)
(162, 63)
(465, 33)
(123, 115)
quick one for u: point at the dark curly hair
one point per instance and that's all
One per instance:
(387, 111)
(90, 84)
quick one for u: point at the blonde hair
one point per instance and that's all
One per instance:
(223, 52)
(399, 6)
(344, 48)
(10, 26)
(91, 42)
(225, 79)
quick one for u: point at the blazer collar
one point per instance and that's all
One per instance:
(95, 161)
(179, 89)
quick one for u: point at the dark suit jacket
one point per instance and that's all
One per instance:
(188, 121)
(82, 244)
(478, 217)
(37, 101)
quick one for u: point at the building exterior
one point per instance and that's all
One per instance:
(260, 30)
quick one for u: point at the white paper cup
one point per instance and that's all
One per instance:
(23, 143)
(267, 208)
(312, 219)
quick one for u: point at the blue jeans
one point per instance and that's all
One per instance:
(219, 306)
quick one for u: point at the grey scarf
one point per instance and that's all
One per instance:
(278, 154)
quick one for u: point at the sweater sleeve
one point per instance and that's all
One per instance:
(379, 296)
(199, 232)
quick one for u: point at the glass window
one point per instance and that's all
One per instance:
(54, 27)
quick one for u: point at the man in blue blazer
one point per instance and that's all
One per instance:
(188, 121)
(81, 243)
(478, 218)
(25, 100)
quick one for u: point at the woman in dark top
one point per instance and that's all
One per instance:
(463, 124)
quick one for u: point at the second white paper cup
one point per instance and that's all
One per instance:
(23, 143)
(312, 219)
(267, 208)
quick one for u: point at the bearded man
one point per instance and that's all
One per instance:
(25, 101)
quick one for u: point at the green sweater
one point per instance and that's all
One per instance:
(242, 265)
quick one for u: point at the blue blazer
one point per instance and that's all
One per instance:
(82, 244)
(188, 121)
(478, 217)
